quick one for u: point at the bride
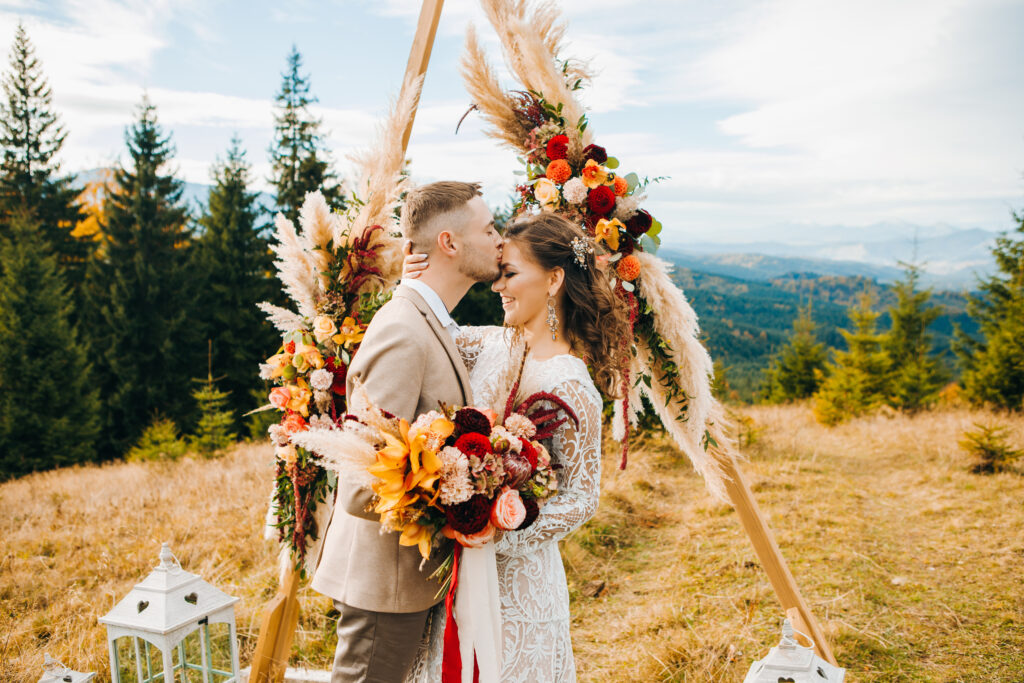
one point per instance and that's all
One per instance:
(559, 303)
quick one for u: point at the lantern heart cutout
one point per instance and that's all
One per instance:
(191, 598)
(143, 604)
(786, 680)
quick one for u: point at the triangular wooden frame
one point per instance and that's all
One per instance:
(281, 614)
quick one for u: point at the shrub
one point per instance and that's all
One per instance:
(989, 445)
(159, 441)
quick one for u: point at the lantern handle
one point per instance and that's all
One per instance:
(166, 556)
(789, 640)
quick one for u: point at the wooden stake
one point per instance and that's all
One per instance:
(281, 614)
(774, 564)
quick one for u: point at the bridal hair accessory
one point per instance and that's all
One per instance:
(580, 248)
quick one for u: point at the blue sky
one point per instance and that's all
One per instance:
(772, 119)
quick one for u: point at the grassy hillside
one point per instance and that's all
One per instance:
(914, 566)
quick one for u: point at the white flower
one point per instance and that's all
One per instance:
(321, 421)
(278, 435)
(574, 191)
(520, 425)
(321, 379)
(266, 371)
(456, 486)
(625, 207)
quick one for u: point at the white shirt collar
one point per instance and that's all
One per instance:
(433, 300)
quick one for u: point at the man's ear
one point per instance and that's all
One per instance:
(555, 279)
(446, 243)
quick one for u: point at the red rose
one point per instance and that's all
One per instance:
(595, 152)
(469, 517)
(558, 147)
(601, 200)
(469, 420)
(473, 444)
(639, 223)
(530, 453)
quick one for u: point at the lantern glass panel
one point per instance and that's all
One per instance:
(138, 661)
(188, 656)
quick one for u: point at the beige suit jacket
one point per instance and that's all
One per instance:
(407, 362)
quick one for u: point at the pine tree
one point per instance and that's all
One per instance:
(49, 408)
(298, 158)
(30, 182)
(233, 263)
(214, 431)
(994, 364)
(917, 377)
(797, 369)
(857, 380)
(140, 298)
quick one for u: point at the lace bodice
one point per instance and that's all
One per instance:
(536, 644)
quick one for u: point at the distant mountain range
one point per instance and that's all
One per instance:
(951, 260)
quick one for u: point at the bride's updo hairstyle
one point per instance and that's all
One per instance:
(596, 321)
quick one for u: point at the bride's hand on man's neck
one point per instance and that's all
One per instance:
(537, 335)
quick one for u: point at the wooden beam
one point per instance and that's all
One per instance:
(419, 55)
(767, 550)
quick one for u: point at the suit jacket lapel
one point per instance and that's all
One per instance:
(444, 337)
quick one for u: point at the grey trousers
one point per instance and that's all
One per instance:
(375, 647)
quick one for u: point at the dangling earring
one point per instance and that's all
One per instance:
(552, 318)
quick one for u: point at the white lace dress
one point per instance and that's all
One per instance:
(536, 646)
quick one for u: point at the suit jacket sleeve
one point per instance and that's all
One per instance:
(390, 365)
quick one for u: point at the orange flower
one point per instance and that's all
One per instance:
(628, 268)
(559, 171)
(594, 174)
(293, 422)
(607, 231)
(621, 187)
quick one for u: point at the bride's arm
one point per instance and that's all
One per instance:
(579, 453)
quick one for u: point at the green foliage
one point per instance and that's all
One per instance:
(857, 379)
(917, 376)
(49, 408)
(480, 306)
(989, 445)
(214, 432)
(141, 303)
(159, 441)
(30, 182)
(993, 362)
(233, 265)
(298, 156)
(720, 382)
(797, 369)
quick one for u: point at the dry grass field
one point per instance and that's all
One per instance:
(914, 566)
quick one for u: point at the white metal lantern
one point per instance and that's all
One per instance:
(791, 662)
(55, 672)
(172, 611)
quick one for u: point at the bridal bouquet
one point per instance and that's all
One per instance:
(457, 473)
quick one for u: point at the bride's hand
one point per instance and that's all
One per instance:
(413, 264)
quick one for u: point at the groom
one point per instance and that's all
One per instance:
(407, 363)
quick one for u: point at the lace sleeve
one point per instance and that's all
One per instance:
(578, 451)
(490, 358)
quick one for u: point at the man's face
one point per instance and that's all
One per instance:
(481, 254)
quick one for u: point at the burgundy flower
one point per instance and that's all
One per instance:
(532, 510)
(626, 246)
(595, 152)
(471, 420)
(474, 444)
(558, 147)
(472, 516)
(639, 223)
(601, 200)
(517, 469)
(530, 453)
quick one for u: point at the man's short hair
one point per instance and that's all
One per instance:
(427, 202)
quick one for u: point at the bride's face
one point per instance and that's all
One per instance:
(524, 286)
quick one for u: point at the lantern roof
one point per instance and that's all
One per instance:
(167, 599)
(791, 661)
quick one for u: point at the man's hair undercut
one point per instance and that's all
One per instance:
(427, 202)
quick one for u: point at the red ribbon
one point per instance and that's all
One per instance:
(451, 661)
